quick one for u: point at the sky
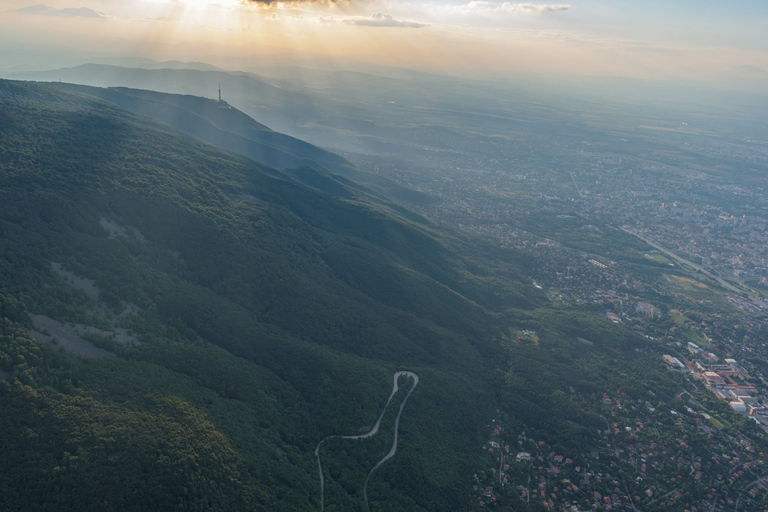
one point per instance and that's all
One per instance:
(719, 43)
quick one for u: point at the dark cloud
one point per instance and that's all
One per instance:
(383, 20)
(68, 12)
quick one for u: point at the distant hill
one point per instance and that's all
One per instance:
(141, 62)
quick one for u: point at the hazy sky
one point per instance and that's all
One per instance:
(717, 41)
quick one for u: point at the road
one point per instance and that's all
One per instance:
(370, 433)
(573, 178)
(691, 264)
(762, 479)
(397, 426)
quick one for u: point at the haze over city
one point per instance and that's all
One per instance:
(710, 42)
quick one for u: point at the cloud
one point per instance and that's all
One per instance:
(535, 8)
(528, 8)
(289, 2)
(752, 70)
(382, 20)
(67, 12)
(158, 19)
(601, 43)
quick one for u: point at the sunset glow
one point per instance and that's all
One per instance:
(589, 37)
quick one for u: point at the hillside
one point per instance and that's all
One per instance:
(240, 315)
(182, 326)
(226, 127)
(247, 91)
(219, 124)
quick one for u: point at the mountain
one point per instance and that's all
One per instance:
(142, 62)
(185, 328)
(247, 91)
(181, 325)
(226, 127)
(342, 110)
(416, 117)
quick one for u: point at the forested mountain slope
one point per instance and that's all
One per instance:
(218, 124)
(180, 326)
(243, 315)
(226, 127)
(248, 91)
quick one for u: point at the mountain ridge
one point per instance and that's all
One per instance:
(228, 128)
(268, 314)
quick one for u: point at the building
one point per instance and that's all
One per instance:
(713, 379)
(673, 362)
(737, 368)
(722, 394)
(749, 402)
(739, 393)
(738, 407)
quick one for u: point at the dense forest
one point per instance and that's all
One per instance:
(181, 325)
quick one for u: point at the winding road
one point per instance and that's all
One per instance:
(371, 433)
